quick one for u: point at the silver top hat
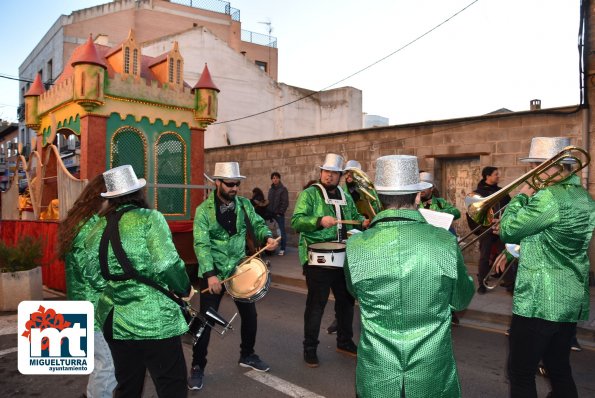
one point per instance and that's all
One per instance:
(426, 177)
(333, 162)
(353, 164)
(121, 181)
(398, 175)
(227, 170)
(543, 148)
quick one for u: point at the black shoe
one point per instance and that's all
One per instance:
(254, 362)
(311, 358)
(348, 348)
(332, 329)
(575, 346)
(195, 379)
(482, 289)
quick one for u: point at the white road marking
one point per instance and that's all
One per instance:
(8, 330)
(281, 385)
(8, 351)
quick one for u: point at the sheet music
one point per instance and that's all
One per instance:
(437, 219)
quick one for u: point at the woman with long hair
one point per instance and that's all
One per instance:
(142, 325)
(72, 233)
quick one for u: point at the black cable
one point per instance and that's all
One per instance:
(355, 73)
(16, 78)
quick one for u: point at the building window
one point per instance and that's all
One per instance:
(171, 70)
(134, 61)
(127, 60)
(50, 71)
(261, 65)
(178, 71)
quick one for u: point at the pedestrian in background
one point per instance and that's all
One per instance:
(278, 204)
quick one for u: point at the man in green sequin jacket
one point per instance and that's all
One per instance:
(407, 276)
(315, 217)
(554, 228)
(220, 244)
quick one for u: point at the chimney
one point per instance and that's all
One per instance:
(535, 104)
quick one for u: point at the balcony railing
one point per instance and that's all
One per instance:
(212, 5)
(259, 38)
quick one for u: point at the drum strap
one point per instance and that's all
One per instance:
(390, 219)
(111, 235)
(336, 203)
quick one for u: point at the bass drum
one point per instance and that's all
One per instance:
(252, 283)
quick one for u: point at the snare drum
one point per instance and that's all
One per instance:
(252, 284)
(327, 254)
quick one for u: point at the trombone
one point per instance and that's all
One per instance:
(512, 249)
(366, 187)
(480, 209)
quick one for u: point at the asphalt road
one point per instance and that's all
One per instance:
(481, 355)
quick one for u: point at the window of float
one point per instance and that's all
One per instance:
(126, 59)
(135, 62)
(178, 71)
(170, 168)
(171, 70)
(129, 146)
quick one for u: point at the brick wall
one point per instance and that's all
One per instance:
(498, 140)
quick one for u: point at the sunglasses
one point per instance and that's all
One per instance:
(231, 184)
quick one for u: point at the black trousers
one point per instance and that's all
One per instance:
(320, 282)
(532, 340)
(486, 243)
(249, 326)
(163, 358)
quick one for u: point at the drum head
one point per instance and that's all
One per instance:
(327, 246)
(251, 281)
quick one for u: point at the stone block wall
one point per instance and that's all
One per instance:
(497, 140)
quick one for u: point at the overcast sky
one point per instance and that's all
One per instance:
(495, 54)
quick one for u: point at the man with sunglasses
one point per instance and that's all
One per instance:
(220, 244)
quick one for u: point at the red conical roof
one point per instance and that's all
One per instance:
(88, 55)
(36, 88)
(205, 80)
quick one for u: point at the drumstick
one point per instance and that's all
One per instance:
(352, 222)
(225, 280)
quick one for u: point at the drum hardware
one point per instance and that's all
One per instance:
(197, 322)
(327, 254)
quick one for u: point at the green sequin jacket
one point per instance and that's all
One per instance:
(216, 251)
(441, 205)
(554, 228)
(140, 312)
(407, 276)
(309, 209)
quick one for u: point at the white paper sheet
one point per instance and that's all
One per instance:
(436, 218)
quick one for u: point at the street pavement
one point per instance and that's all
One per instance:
(479, 343)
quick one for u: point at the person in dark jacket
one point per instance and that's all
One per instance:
(278, 203)
(490, 241)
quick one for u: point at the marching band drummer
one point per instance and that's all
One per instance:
(553, 227)
(318, 211)
(220, 232)
(407, 276)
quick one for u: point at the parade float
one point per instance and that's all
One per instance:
(110, 106)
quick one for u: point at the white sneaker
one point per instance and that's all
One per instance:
(281, 253)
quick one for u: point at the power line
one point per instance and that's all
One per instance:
(16, 78)
(355, 73)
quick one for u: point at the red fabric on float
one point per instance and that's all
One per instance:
(52, 270)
